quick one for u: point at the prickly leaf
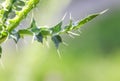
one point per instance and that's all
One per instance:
(57, 40)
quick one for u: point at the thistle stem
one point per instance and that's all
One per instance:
(22, 14)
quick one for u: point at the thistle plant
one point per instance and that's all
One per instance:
(12, 12)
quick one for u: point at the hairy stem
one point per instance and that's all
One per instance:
(21, 14)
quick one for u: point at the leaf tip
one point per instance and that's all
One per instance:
(104, 11)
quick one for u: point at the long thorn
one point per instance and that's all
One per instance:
(64, 16)
(64, 43)
(74, 33)
(59, 53)
(2, 65)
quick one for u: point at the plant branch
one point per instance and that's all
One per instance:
(21, 14)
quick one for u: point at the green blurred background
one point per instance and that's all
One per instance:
(93, 56)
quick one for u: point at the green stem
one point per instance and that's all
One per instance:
(21, 14)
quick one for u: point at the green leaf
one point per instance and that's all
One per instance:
(45, 31)
(57, 28)
(87, 19)
(18, 5)
(39, 37)
(33, 27)
(84, 21)
(57, 40)
(0, 51)
(33, 24)
(3, 37)
(15, 36)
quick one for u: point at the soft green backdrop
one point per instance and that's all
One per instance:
(93, 56)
